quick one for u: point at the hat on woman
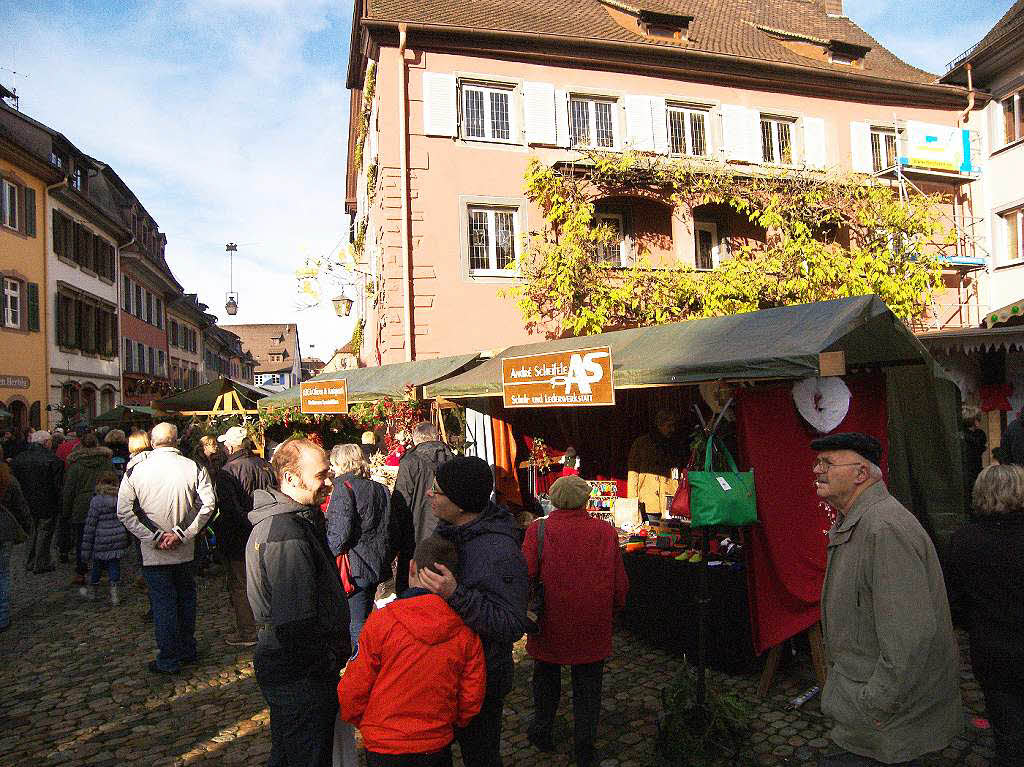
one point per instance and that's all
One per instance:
(570, 493)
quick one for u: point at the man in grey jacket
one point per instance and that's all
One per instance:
(893, 683)
(165, 502)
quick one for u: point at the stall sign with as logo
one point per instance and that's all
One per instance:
(559, 379)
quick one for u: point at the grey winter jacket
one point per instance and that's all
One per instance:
(104, 537)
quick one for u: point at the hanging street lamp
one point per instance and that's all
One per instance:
(231, 304)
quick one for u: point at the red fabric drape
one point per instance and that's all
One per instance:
(787, 548)
(506, 479)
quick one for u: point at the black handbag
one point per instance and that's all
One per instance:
(535, 603)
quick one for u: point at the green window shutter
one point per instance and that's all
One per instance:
(32, 290)
(58, 234)
(30, 212)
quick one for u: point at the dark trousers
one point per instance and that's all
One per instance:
(302, 716)
(113, 568)
(172, 594)
(359, 606)
(480, 740)
(586, 704)
(1005, 708)
(442, 758)
(39, 559)
(245, 623)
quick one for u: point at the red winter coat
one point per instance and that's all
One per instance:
(419, 673)
(585, 583)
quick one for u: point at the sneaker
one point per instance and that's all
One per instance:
(240, 641)
(155, 669)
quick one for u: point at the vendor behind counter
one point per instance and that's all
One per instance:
(652, 459)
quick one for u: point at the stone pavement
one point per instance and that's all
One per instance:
(76, 692)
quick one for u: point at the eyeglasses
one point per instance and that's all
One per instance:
(826, 465)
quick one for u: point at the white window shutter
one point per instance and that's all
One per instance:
(440, 117)
(639, 128)
(815, 155)
(539, 113)
(561, 118)
(860, 147)
(659, 117)
(741, 133)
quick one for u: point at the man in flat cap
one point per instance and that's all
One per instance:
(893, 683)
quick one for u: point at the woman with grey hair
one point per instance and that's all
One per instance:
(984, 573)
(357, 523)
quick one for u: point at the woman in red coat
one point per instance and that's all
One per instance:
(584, 585)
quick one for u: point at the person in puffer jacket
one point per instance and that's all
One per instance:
(419, 672)
(104, 538)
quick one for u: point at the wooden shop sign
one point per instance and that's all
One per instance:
(324, 397)
(580, 377)
(14, 382)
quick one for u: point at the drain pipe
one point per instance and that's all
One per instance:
(403, 153)
(970, 95)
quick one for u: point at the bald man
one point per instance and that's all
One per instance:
(165, 502)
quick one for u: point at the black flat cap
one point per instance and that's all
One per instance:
(863, 444)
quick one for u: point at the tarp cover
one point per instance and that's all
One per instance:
(124, 414)
(369, 384)
(773, 343)
(204, 396)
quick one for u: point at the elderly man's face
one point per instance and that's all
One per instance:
(837, 474)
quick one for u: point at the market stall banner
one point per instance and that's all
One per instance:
(324, 396)
(580, 377)
(787, 549)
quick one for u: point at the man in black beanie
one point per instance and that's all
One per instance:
(489, 592)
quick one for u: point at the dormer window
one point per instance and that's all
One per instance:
(78, 180)
(57, 159)
(664, 26)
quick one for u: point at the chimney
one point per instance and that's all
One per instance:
(834, 7)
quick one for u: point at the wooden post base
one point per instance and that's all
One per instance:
(774, 655)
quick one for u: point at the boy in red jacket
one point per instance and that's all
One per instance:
(418, 673)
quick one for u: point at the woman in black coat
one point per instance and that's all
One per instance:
(357, 522)
(984, 573)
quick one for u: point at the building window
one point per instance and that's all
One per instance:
(686, 131)
(592, 123)
(56, 159)
(12, 303)
(486, 112)
(140, 358)
(776, 140)
(159, 309)
(707, 247)
(138, 301)
(9, 216)
(1012, 118)
(492, 240)
(128, 356)
(160, 362)
(612, 253)
(883, 148)
(78, 180)
(1013, 234)
(126, 295)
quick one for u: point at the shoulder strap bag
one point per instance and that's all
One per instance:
(721, 498)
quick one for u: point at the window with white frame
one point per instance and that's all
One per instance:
(12, 303)
(687, 130)
(492, 239)
(592, 123)
(1011, 110)
(777, 140)
(9, 215)
(707, 248)
(487, 112)
(614, 252)
(1013, 235)
(883, 148)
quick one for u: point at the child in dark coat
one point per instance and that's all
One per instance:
(104, 539)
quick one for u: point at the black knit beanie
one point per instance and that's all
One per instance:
(467, 481)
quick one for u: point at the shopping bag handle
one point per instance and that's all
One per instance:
(728, 456)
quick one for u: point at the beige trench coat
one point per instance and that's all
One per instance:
(893, 681)
(650, 471)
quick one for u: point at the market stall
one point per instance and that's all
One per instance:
(790, 374)
(127, 417)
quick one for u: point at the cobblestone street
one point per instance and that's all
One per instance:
(76, 692)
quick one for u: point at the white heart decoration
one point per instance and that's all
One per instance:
(822, 402)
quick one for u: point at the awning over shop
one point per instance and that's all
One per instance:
(370, 384)
(123, 414)
(773, 343)
(974, 339)
(203, 399)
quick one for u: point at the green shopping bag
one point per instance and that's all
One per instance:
(722, 497)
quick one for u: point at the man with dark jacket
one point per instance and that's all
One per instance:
(489, 592)
(299, 606)
(243, 474)
(41, 475)
(1011, 446)
(411, 519)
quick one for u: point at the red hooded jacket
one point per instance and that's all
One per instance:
(419, 672)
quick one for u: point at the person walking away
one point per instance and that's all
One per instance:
(585, 583)
(104, 538)
(411, 519)
(41, 476)
(116, 440)
(418, 673)
(357, 523)
(164, 501)
(84, 466)
(299, 606)
(242, 474)
(15, 524)
(489, 591)
(984, 571)
(893, 687)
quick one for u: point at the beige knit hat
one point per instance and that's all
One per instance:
(570, 493)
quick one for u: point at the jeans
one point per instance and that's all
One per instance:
(5, 584)
(302, 716)
(359, 606)
(113, 568)
(480, 740)
(39, 559)
(586, 704)
(442, 758)
(172, 593)
(245, 623)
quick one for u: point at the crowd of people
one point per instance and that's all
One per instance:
(308, 538)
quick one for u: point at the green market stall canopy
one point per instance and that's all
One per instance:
(125, 414)
(221, 396)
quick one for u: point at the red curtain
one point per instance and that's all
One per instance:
(506, 479)
(787, 548)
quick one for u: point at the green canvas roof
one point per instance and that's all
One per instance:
(773, 343)
(124, 414)
(370, 384)
(205, 395)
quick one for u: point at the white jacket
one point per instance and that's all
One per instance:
(171, 491)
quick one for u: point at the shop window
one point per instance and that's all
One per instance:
(592, 123)
(487, 112)
(777, 140)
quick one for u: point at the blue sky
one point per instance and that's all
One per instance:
(228, 118)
